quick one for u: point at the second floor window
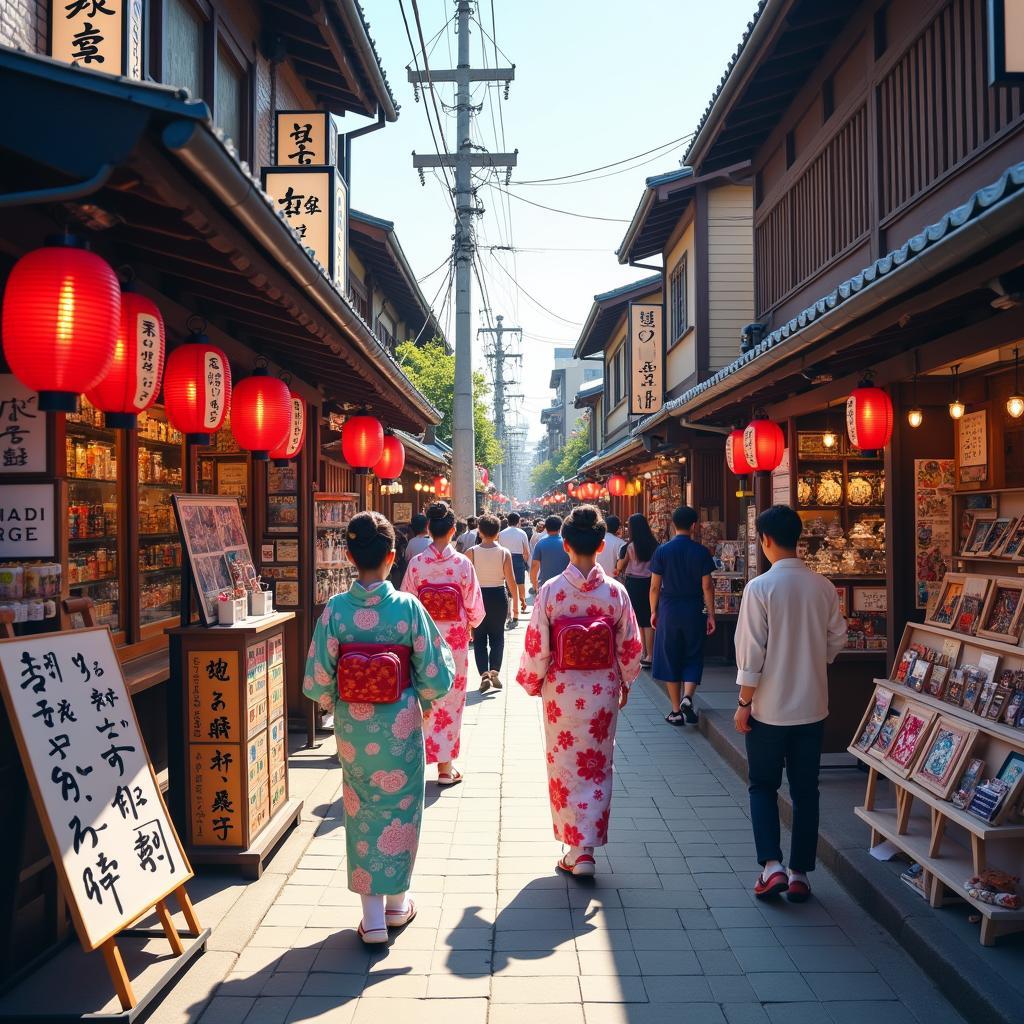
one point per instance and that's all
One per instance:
(183, 46)
(230, 103)
(678, 291)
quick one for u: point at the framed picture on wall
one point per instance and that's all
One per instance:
(1001, 618)
(233, 479)
(401, 513)
(943, 612)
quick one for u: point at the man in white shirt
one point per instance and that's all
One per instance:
(790, 630)
(420, 540)
(517, 544)
(610, 554)
(464, 541)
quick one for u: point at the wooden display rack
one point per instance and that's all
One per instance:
(950, 844)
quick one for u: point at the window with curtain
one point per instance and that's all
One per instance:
(678, 295)
(229, 102)
(183, 47)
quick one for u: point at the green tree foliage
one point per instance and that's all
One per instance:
(432, 370)
(575, 448)
(544, 476)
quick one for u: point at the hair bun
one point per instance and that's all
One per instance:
(439, 510)
(362, 529)
(585, 517)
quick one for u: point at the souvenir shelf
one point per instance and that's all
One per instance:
(664, 496)
(989, 530)
(159, 474)
(332, 571)
(951, 842)
(92, 453)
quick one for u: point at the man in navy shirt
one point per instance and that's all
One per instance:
(683, 604)
(549, 556)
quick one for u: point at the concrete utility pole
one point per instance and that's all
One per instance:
(463, 161)
(498, 355)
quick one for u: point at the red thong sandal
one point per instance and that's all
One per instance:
(798, 892)
(452, 778)
(583, 867)
(775, 885)
(400, 918)
(372, 936)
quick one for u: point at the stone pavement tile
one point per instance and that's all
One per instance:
(688, 989)
(653, 1013)
(727, 898)
(540, 939)
(453, 986)
(278, 937)
(798, 1013)
(284, 984)
(696, 919)
(536, 1013)
(656, 938)
(270, 1010)
(561, 963)
(336, 985)
(734, 989)
(244, 984)
(706, 938)
(227, 1010)
(320, 1010)
(300, 895)
(535, 990)
(297, 959)
(598, 989)
(797, 935)
(762, 959)
(602, 938)
(830, 958)
(667, 961)
(616, 963)
(709, 865)
(465, 938)
(847, 987)
(645, 918)
(780, 987)
(738, 917)
(423, 1011)
(745, 1013)
(720, 880)
(740, 937)
(783, 914)
(258, 960)
(341, 961)
(585, 918)
(464, 962)
(288, 915)
(514, 919)
(716, 962)
(671, 899)
(529, 899)
(859, 1012)
(395, 986)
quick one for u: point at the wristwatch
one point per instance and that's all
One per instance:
(742, 705)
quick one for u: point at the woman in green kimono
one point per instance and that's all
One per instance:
(378, 661)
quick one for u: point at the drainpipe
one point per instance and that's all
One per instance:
(346, 171)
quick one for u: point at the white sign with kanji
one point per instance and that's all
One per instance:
(22, 428)
(646, 354)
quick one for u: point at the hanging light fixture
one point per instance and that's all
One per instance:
(261, 413)
(828, 438)
(617, 485)
(763, 444)
(290, 447)
(1015, 403)
(392, 461)
(734, 456)
(915, 415)
(362, 442)
(197, 386)
(956, 407)
(61, 317)
(418, 486)
(869, 416)
(133, 379)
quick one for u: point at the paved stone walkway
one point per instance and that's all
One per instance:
(668, 931)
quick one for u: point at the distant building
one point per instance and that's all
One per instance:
(567, 377)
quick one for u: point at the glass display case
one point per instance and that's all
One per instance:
(160, 474)
(332, 571)
(92, 453)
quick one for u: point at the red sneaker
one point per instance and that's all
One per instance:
(798, 892)
(776, 884)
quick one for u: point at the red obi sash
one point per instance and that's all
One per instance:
(583, 643)
(443, 601)
(373, 673)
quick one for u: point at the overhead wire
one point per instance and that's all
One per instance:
(555, 209)
(535, 301)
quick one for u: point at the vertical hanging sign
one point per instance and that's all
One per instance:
(646, 360)
(105, 35)
(22, 428)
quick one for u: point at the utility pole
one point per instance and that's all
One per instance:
(463, 161)
(498, 354)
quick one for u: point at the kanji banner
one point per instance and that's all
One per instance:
(646, 358)
(105, 35)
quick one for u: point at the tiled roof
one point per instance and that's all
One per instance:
(1011, 183)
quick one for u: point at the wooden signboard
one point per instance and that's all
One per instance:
(115, 850)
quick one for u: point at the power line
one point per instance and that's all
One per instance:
(554, 209)
(443, 263)
(597, 177)
(536, 302)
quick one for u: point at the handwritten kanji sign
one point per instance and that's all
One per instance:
(304, 138)
(109, 833)
(646, 358)
(105, 35)
(22, 428)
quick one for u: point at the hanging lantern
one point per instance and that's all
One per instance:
(763, 444)
(197, 388)
(735, 458)
(391, 463)
(61, 317)
(484, 477)
(261, 413)
(132, 381)
(617, 484)
(290, 447)
(869, 416)
(362, 442)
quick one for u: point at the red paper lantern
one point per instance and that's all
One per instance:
(869, 417)
(441, 485)
(763, 445)
(132, 381)
(197, 388)
(362, 442)
(290, 447)
(734, 456)
(61, 316)
(261, 413)
(617, 485)
(390, 465)
(484, 477)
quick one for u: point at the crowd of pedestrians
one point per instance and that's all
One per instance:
(390, 658)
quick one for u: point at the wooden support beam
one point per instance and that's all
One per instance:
(177, 948)
(118, 975)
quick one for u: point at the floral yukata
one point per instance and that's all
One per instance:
(380, 745)
(442, 724)
(581, 706)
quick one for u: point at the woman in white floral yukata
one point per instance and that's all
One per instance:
(375, 660)
(446, 583)
(582, 655)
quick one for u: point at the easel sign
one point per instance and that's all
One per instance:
(116, 852)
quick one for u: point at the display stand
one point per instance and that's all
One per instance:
(238, 805)
(950, 843)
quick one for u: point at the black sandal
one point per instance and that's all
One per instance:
(675, 718)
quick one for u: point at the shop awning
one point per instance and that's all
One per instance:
(955, 260)
(604, 314)
(589, 394)
(434, 453)
(143, 167)
(613, 453)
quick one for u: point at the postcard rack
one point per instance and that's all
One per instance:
(951, 843)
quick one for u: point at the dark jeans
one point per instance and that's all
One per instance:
(798, 748)
(492, 630)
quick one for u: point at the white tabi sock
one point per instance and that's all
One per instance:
(397, 904)
(373, 913)
(798, 876)
(770, 868)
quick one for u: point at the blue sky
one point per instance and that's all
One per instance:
(595, 82)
